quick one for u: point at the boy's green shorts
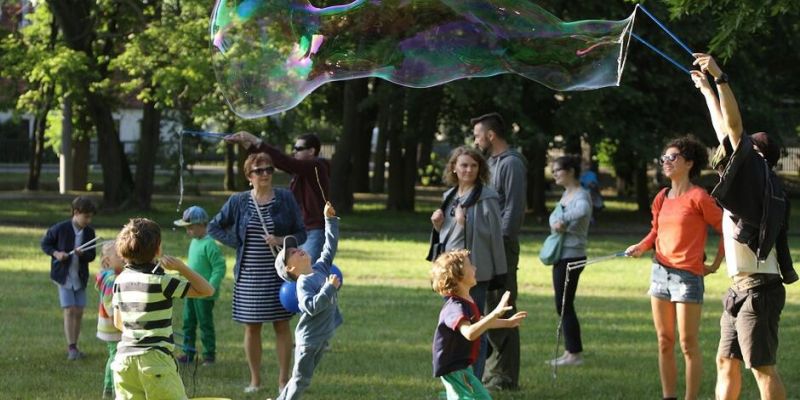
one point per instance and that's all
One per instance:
(152, 375)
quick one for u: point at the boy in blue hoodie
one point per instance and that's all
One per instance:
(317, 296)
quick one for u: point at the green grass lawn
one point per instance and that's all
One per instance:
(383, 350)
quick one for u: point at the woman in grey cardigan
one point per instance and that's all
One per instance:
(573, 223)
(470, 219)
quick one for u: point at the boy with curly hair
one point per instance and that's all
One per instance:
(455, 343)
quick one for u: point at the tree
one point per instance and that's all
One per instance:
(80, 23)
(37, 60)
(165, 67)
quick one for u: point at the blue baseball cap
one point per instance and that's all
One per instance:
(193, 215)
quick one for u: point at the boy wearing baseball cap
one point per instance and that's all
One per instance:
(317, 297)
(207, 260)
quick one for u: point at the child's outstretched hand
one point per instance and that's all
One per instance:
(515, 320)
(329, 211)
(171, 263)
(334, 280)
(502, 306)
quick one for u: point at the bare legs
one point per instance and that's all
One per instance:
(283, 347)
(253, 350)
(729, 380)
(687, 317)
(72, 324)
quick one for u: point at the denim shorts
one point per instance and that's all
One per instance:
(675, 285)
(71, 297)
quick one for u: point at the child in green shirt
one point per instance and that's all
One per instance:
(207, 260)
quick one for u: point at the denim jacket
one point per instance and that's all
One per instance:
(229, 226)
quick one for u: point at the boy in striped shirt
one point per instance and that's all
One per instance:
(144, 366)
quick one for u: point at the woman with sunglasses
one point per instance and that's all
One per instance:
(469, 218)
(310, 180)
(573, 222)
(681, 214)
(254, 223)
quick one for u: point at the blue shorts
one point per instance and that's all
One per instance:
(71, 297)
(675, 285)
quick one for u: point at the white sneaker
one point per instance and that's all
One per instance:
(567, 359)
(252, 389)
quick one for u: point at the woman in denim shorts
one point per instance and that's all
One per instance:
(680, 215)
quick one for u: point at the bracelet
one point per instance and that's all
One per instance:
(723, 78)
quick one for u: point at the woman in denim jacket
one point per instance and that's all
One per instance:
(254, 223)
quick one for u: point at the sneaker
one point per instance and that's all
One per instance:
(252, 389)
(567, 359)
(74, 354)
(208, 361)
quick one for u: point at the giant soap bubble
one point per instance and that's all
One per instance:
(271, 54)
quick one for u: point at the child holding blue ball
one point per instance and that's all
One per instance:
(456, 341)
(317, 296)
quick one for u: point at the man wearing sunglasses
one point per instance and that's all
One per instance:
(310, 180)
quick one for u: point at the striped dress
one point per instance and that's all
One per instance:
(255, 295)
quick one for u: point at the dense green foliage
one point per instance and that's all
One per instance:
(158, 53)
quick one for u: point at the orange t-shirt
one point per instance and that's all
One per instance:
(679, 229)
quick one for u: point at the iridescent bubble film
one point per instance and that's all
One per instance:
(270, 54)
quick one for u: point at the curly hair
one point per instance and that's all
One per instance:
(691, 150)
(450, 176)
(448, 271)
(139, 241)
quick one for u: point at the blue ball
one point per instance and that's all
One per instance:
(288, 297)
(336, 271)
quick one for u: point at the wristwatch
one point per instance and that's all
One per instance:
(723, 78)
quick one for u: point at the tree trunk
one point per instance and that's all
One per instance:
(37, 145)
(74, 17)
(362, 144)
(642, 194)
(146, 152)
(241, 156)
(394, 200)
(536, 153)
(378, 184)
(117, 179)
(230, 172)
(342, 166)
(428, 124)
(541, 120)
(422, 110)
(80, 161)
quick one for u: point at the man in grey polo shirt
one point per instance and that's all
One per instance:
(509, 178)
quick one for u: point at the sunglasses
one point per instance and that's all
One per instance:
(453, 208)
(299, 148)
(670, 157)
(263, 171)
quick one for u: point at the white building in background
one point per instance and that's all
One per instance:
(127, 120)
